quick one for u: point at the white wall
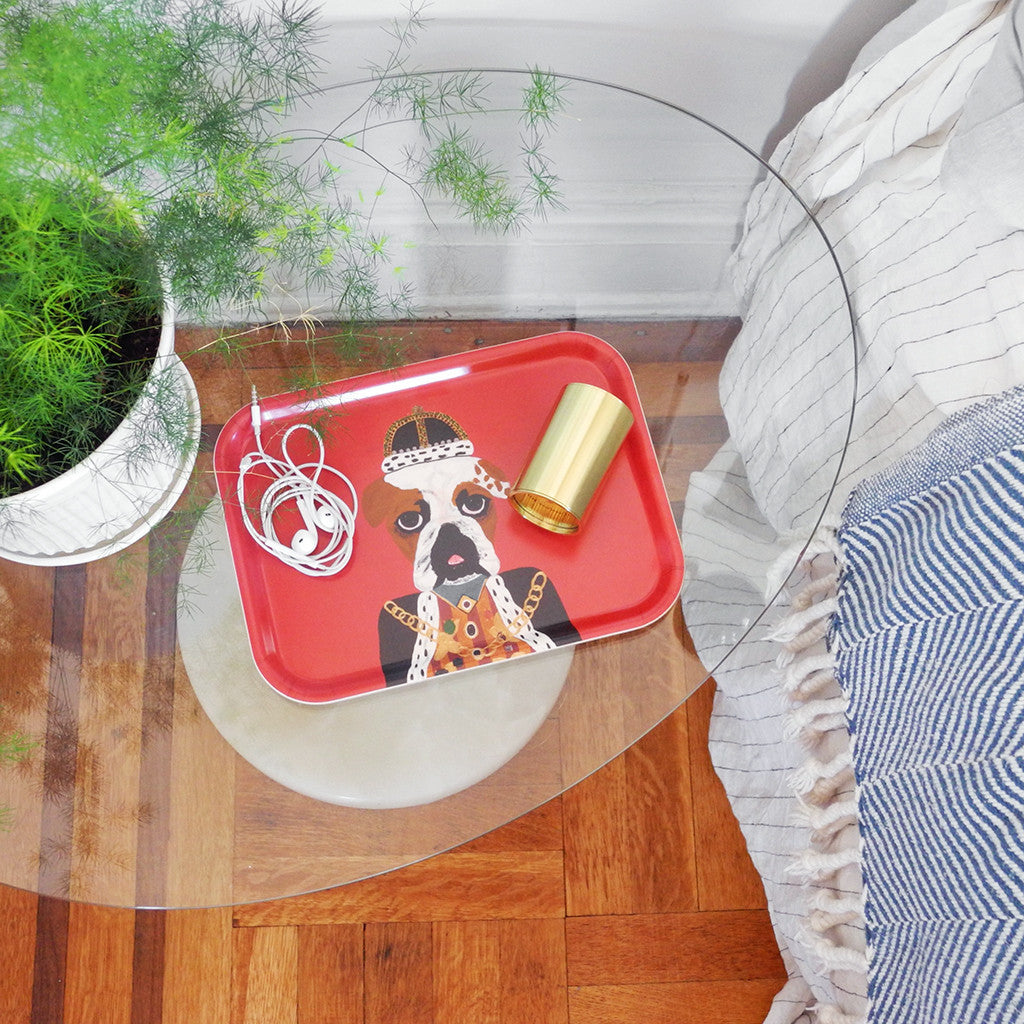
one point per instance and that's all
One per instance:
(657, 246)
(752, 66)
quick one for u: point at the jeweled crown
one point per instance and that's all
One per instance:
(423, 437)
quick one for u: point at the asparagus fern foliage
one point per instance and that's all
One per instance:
(143, 149)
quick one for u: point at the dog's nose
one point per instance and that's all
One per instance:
(452, 552)
(449, 535)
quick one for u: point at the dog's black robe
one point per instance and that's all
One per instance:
(397, 640)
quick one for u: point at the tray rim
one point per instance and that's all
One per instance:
(673, 568)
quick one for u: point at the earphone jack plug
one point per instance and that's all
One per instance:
(254, 411)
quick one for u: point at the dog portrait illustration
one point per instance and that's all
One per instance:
(438, 501)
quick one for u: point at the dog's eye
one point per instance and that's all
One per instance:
(473, 504)
(414, 520)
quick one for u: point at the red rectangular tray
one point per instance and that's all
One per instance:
(324, 639)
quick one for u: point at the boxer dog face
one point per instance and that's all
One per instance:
(441, 515)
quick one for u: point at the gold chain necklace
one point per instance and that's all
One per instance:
(523, 619)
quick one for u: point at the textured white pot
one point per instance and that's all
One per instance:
(124, 488)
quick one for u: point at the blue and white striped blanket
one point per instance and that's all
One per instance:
(929, 644)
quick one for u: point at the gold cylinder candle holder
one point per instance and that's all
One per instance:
(586, 429)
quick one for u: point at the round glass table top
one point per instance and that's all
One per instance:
(147, 760)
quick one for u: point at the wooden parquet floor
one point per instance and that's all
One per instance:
(630, 899)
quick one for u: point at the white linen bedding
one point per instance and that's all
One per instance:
(934, 263)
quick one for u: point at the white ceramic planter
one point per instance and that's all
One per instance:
(113, 497)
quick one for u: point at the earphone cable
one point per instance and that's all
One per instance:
(323, 546)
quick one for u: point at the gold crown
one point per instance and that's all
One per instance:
(423, 437)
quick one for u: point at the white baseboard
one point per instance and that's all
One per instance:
(654, 255)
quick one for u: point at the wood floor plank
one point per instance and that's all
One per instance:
(50, 960)
(148, 967)
(713, 1002)
(499, 972)
(593, 725)
(596, 834)
(166, 546)
(451, 886)
(678, 389)
(591, 709)
(442, 337)
(200, 836)
(101, 946)
(17, 953)
(197, 966)
(399, 973)
(690, 340)
(60, 748)
(629, 831)
(659, 679)
(539, 829)
(330, 974)
(533, 982)
(265, 976)
(467, 972)
(660, 820)
(678, 462)
(217, 377)
(110, 739)
(26, 607)
(735, 945)
(726, 877)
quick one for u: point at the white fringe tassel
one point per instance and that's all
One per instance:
(829, 819)
(817, 716)
(813, 865)
(822, 921)
(833, 903)
(839, 958)
(824, 786)
(824, 542)
(808, 676)
(801, 629)
(814, 772)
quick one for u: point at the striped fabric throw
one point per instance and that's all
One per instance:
(929, 645)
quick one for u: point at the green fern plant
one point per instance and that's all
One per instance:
(143, 146)
(80, 303)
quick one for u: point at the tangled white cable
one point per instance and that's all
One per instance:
(323, 546)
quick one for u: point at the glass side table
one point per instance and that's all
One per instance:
(165, 772)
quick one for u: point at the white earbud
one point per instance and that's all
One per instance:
(320, 517)
(324, 517)
(323, 546)
(304, 542)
